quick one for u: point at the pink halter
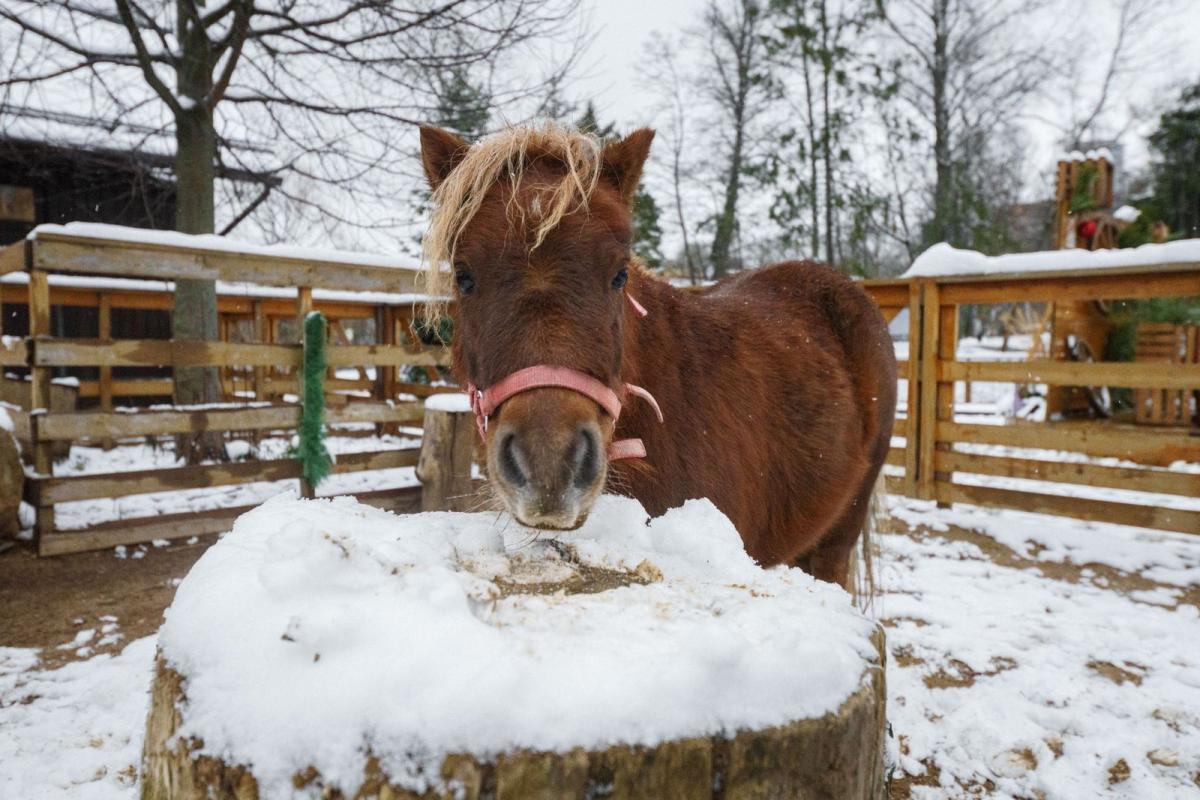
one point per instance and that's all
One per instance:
(485, 402)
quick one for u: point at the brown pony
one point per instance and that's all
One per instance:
(778, 385)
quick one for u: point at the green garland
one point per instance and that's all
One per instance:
(315, 462)
(1083, 197)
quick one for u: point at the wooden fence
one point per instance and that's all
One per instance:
(943, 458)
(44, 353)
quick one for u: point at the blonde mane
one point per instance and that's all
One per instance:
(505, 156)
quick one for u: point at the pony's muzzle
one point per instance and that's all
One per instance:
(546, 457)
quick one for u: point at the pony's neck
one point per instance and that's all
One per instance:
(650, 334)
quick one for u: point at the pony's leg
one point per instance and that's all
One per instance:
(829, 560)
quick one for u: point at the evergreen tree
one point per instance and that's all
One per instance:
(647, 230)
(588, 122)
(462, 107)
(1176, 145)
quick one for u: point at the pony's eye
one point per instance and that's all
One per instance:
(466, 284)
(619, 281)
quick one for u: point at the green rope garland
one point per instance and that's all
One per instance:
(315, 462)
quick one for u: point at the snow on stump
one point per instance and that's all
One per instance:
(330, 649)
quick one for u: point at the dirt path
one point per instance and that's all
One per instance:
(45, 602)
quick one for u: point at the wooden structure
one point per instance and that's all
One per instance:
(1167, 343)
(1089, 179)
(54, 253)
(936, 460)
(941, 453)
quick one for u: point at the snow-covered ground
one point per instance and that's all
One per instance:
(129, 457)
(1031, 656)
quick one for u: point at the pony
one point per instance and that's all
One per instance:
(776, 386)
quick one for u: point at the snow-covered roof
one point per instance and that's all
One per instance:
(943, 260)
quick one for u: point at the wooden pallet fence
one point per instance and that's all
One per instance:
(267, 363)
(942, 465)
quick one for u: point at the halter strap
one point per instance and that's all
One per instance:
(484, 402)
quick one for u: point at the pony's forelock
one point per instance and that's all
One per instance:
(504, 156)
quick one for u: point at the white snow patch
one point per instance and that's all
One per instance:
(393, 632)
(76, 731)
(1127, 214)
(944, 260)
(224, 244)
(1039, 716)
(448, 401)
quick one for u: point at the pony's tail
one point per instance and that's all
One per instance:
(863, 586)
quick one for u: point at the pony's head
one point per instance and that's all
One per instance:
(531, 234)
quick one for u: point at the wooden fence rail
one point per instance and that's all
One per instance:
(940, 458)
(943, 458)
(268, 367)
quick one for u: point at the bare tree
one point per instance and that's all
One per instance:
(966, 68)
(735, 81)
(330, 86)
(663, 75)
(1138, 43)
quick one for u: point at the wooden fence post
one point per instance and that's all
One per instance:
(930, 308)
(912, 438)
(947, 351)
(104, 333)
(39, 394)
(444, 466)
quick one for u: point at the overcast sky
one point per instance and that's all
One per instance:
(622, 28)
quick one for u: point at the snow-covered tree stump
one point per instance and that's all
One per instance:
(329, 649)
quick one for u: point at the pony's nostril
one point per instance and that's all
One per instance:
(585, 459)
(510, 466)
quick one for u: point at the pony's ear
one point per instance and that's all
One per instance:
(623, 161)
(440, 153)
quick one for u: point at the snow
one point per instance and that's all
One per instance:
(1031, 605)
(1126, 214)
(1090, 155)
(395, 632)
(94, 283)
(448, 401)
(1035, 681)
(214, 243)
(76, 731)
(96, 460)
(943, 260)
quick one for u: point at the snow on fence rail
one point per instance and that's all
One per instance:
(950, 460)
(88, 251)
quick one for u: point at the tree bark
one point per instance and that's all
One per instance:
(723, 238)
(838, 756)
(943, 227)
(813, 187)
(194, 309)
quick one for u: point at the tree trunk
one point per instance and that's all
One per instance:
(723, 238)
(813, 187)
(194, 310)
(827, 132)
(838, 756)
(943, 227)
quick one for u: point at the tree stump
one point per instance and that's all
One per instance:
(667, 670)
